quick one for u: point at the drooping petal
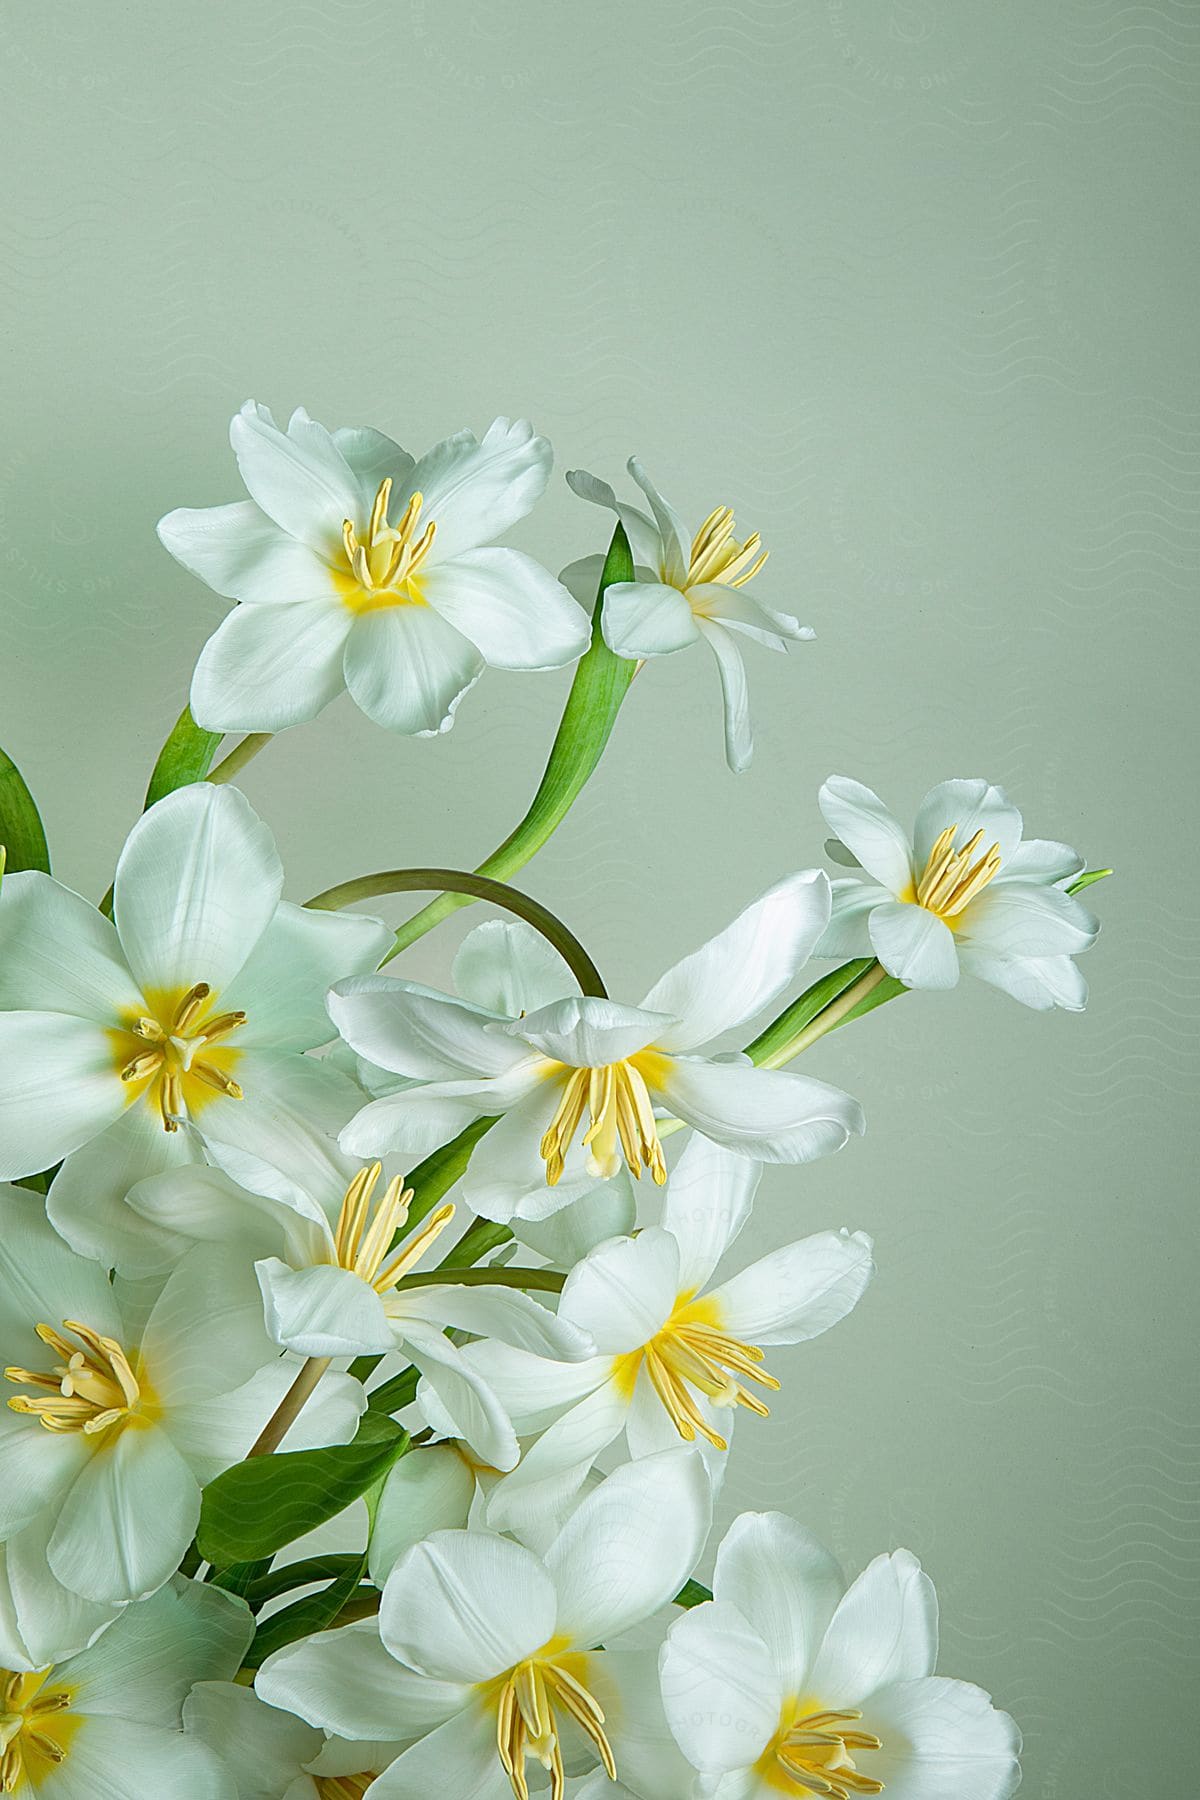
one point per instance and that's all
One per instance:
(853, 902)
(408, 669)
(268, 668)
(647, 618)
(1042, 982)
(323, 1311)
(534, 1390)
(859, 819)
(971, 806)
(242, 554)
(769, 1114)
(586, 1031)
(500, 1313)
(419, 1032)
(299, 477)
(797, 1292)
(735, 696)
(644, 539)
(1021, 918)
(943, 1740)
(508, 968)
(428, 1491)
(885, 1629)
(622, 1294)
(345, 1682)
(299, 956)
(914, 945)
(785, 1583)
(58, 953)
(458, 1399)
(465, 1606)
(414, 1123)
(130, 1515)
(196, 886)
(458, 1758)
(721, 1689)
(147, 1661)
(744, 967)
(671, 530)
(87, 1198)
(1040, 859)
(708, 1200)
(739, 611)
(630, 1545)
(508, 606)
(59, 1087)
(555, 1467)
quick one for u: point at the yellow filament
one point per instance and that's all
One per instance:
(953, 878)
(527, 1701)
(384, 560)
(811, 1753)
(691, 1352)
(182, 1061)
(621, 1125)
(343, 1787)
(362, 1242)
(717, 556)
(35, 1732)
(90, 1389)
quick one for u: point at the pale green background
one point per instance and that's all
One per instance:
(911, 284)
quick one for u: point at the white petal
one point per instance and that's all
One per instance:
(285, 1096)
(735, 695)
(476, 491)
(555, 1467)
(535, 1390)
(510, 1180)
(970, 806)
(1040, 859)
(769, 1114)
(241, 553)
(1019, 918)
(458, 1758)
(943, 1740)
(1040, 982)
(59, 954)
(205, 1334)
(373, 458)
(146, 1664)
(785, 1584)
(465, 1606)
(408, 669)
(860, 820)
(39, 1468)
(797, 1292)
(607, 1210)
(300, 478)
(41, 1280)
(623, 1293)
(508, 968)
(59, 1087)
(217, 1431)
(429, 1490)
(630, 1546)
(847, 934)
(721, 1690)
(323, 1311)
(675, 541)
(884, 1630)
(707, 1201)
(746, 966)
(197, 884)
(650, 1429)
(914, 945)
(466, 1406)
(586, 1031)
(266, 1746)
(414, 1123)
(116, 1759)
(504, 1314)
(508, 606)
(644, 539)
(267, 668)
(127, 1520)
(737, 609)
(344, 1681)
(647, 618)
(282, 986)
(40, 1620)
(417, 1031)
(649, 1761)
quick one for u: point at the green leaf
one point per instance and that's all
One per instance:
(22, 839)
(270, 1583)
(242, 1578)
(315, 1612)
(185, 757)
(391, 1396)
(693, 1593)
(259, 1505)
(803, 1010)
(1087, 878)
(600, 685)
(434, 1177)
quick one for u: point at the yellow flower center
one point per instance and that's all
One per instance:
(175, 1056)
(953, 878)
(92, 1388)
(343, 1787)
(34, 1730)
(813, 1753)
(362, 1241)
(621, 1114)
(717, 556)
(527, 1701)
(382, 563)
(693, 1352)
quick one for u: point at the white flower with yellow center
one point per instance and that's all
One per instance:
(358, 568)
(964, 893)
(579, 1078)
(678, 1354)
(107, 1721)
(192, 1008)
(788, 1683)
(272, 1755)
(688, 588)
(116, 1416)
(327, 1240)
(494, 1652)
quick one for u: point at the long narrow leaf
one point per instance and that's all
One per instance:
(21, 835)
(185, 757)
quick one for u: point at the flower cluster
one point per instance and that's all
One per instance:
(238, 1306)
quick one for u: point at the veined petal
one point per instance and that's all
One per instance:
(299, 477)
(284, 1096)
(676, 543)
(217, 1431)
(41, 1280)
(457, 1397)
(534, 1390)
(746, 966)
(798, 1292)
(623, 1292)
(608, 1209)
(738, 609)
(785, 1583)
(418, 1031)
(322, 1311)
(40, 1620)
(130, 1515)
(144, 1669)
(196, 886)
(59, 954)
(475, 491)
(59, 1087)
(644, 538)
(242, 554)
(586, 1032)
(630, 1545)
(914, 945)
(859, 819)
(202, 1205)
(429, 1490)
(649, 1762)
(373, 459)
(458, 1758)
(267, 1746)
(853, 902)
(408, 669)
(647, 618)
(345, 1682)
(282, 986)
(267, 668)
(507, 968)
(205, 1333)
(972, 806)
(39, 1469)
(769, 1114)
(414, 1123)
(944, 1740)
(555, 1467)
(508, 606)
(510, 1180)
(721, 1690)
(885, 1629)
(1021, 918)
(87, 1198)
(1042, 982)
(500, 1313)
(708, 1200)
(1040, 859)
(465, 1606)
(146, 1760)
(735, 694)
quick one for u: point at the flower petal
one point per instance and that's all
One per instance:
(785, 1584)
(586, 1031)
(769, 1114)
(707, 1201)
(859, 819)
(1040, 859)
(475, 491)
(59, 954)
(721, 1690)
(647, 618)
(373, 459)
(739, 611)
(322, 1311)
(644, 539)
(39, 1469)
(649, 1762)
(145, 1667)
(555, 1467)
(1042, 982)
(943, 1740)
(884, 1630)
(40, 1620)
(430, 1490)
(205, 1334)
(1020, 918)
(500, 1313)
(408, 669)
(465, 1606)
(414, 1123)
(853, 902)
(345, 1682)
(117, 1759)
(735, 695)
(509, 1181)
(42, 1281)
(300, 478)
(242, 554)
(266, 1746)
(417, 1031)
(457, 1398)
(624, 1291)
(458, 1758)
(914, 945)
(798, 1292)
(508, 968)
(59, 1087)
(971, 806)
(267, 668)
(508, 606)
(283, 985)
(746, 966)
(129, 1517)
(284, 1097)
(676, 543)
(607, 1210)
(535, 1390)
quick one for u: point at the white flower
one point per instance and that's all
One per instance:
(119, 1414)
(107, 1722)
(582, 1058)
(358, 568)
(687, 589)
(192, 1008)
(272, 1755)
(493, 1651)
(965, 892)
(677, 1355)
(321, 1244)
(787, 1682)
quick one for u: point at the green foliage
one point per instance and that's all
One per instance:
(185, 757)
(22, 839)
(1087, 878)
(693, 1593)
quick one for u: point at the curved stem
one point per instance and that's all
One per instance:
(288, 1410)
(827, 1018)
(477, 887)
(239, 756)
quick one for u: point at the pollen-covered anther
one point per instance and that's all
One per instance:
(386, 557)
(717, 556)
(174, 1054)
(343, 1787)
(690, 1354)
(363, 1240)
(622, 1126)
(816, 1754)
(90, 1389)
(953, 878)
(29, 1740)
(526, 1722)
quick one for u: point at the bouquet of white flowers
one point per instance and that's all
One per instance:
(235, 1299)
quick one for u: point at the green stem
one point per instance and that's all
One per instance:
(239, 756)
(827, 1019)
(600, 685)
(288, 1410)
(478, 887)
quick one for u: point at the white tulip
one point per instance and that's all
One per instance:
(272, 1755)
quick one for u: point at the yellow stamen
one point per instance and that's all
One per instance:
(164, 1051)
(622, 1126)
(364, 1248)
(527, 1701)
(951, 878)
(717, 556)
(35, 1733)
(384, 561)
(690, 1354)
(812, 1753)
(343, 1787)
(91, 1389)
